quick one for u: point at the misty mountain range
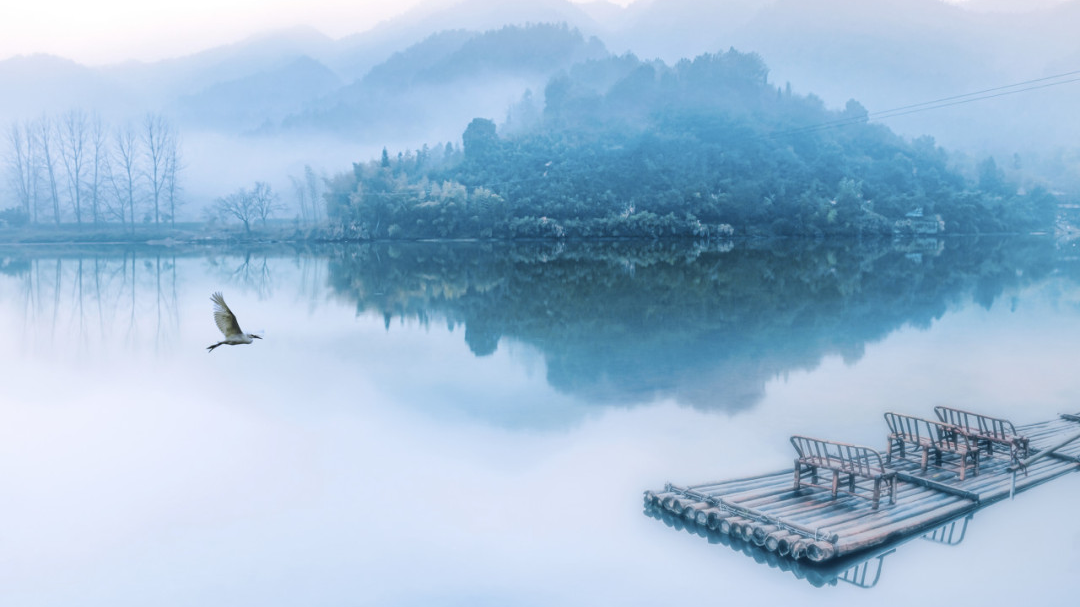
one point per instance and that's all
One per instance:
(422, 76)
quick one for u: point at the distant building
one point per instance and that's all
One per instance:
(919, 225)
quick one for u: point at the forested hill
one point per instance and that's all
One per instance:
(625, 147)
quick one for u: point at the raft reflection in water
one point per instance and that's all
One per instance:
(862, 570)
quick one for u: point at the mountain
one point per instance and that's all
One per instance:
(39, 84)
(245, 103)
(358, 53)
(430, 90)
(164, 81)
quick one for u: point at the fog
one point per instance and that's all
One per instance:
(329, 87)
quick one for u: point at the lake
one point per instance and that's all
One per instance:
(475, 424)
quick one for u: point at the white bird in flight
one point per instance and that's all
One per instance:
(226, 321)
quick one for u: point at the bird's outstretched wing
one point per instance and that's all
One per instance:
(223, 316)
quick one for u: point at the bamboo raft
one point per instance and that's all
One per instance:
(788, 526)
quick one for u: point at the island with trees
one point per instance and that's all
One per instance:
(623, 147)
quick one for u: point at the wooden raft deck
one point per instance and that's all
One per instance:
(811, 524)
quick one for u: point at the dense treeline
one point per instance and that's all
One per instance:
(625, 147)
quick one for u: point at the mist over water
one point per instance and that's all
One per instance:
(474, 424)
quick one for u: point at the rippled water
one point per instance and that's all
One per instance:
(463, 424)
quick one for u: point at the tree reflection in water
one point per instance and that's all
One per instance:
(708, 325)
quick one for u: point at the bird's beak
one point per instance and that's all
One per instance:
(256, 337)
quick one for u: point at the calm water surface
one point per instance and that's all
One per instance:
(474, 425)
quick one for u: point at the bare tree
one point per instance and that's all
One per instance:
(33, 178)
(173, 164)
(99, 161)
(22, 165)
(239, 205)
(73, 129)
(124, 170)
(265, 201)
(47, 143)
(158, 137)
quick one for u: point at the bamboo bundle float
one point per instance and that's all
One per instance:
(665, 501)
(798, 548)
(746, 531)
(658, 498)
(780, 542)
(731, 525)
(741, 484)
(715, 519)
(689, 512)
(737, 527)
(745, 514)
(761, 532)
(677, 503)
(701, 516)
(710, 517)
(818, 551)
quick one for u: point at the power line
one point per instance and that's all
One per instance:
(990, 90)
(999, 91)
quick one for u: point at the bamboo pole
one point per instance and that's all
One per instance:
(898, 518)
(1044, 453)
(843, 528)
(728, 486)
(817, 517)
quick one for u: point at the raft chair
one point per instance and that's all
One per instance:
(931, 436)
(848, 463)
(987, 431)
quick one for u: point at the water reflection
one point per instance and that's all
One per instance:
(626, 323)
(616, 323)
(96, 294)
(862, 570)
(489, 392)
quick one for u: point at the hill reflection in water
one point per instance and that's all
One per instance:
(706, 325)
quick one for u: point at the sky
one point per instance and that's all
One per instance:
(110, 31)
